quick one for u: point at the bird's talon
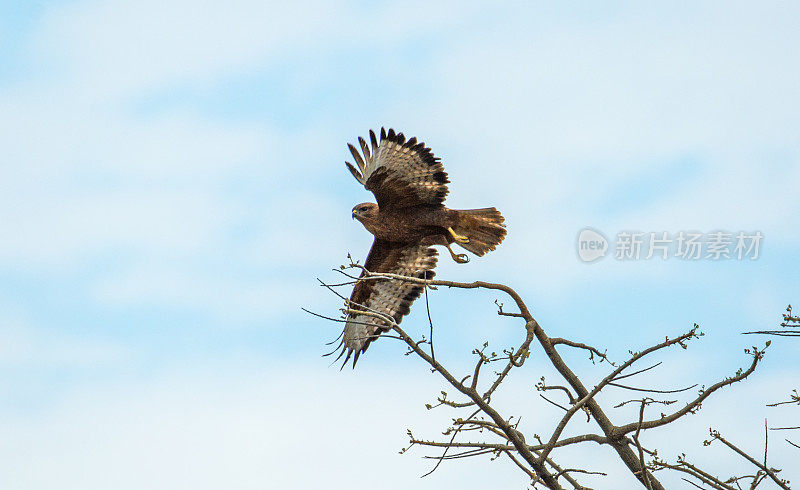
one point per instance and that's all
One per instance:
(459, 258)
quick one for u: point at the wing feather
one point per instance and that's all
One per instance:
(355, 173)
(373, 140)
(356, 155)
(364, 148)
(391, 297)
(400, 173)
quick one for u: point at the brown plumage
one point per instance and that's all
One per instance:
(410, 185)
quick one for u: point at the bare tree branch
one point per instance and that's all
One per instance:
(502, 433)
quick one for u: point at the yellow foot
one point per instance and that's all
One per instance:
(459, 258)
(458, 238)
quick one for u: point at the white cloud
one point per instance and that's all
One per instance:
(147, 45)
(233, 430)
(81, 226)
(22, 345)
(220, 293)
(250, 426)
(155, 44)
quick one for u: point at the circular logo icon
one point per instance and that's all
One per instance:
(592, 245)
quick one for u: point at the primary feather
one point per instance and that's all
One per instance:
(399, 172)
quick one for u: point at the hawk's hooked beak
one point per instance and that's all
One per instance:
(354, 214)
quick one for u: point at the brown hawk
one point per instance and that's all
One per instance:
(410, 185)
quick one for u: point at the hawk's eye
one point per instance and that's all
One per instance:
(362, 209)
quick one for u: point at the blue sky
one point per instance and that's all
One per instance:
(173, 183)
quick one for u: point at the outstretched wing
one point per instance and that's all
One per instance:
(391, 297)
(400, 173)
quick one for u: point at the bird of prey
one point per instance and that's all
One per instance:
(410, 185)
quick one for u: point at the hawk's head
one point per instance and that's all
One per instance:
(365, 212)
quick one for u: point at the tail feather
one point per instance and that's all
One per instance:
(484, 228)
